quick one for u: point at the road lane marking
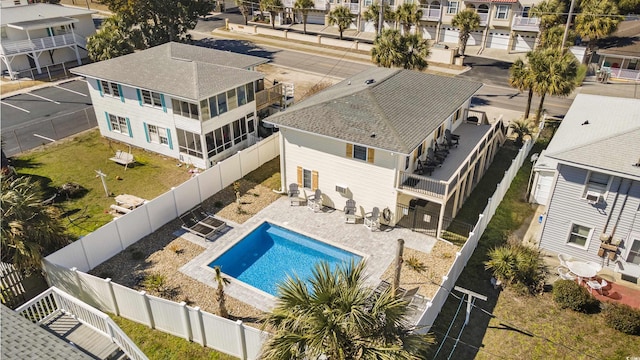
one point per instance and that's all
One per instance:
(69, 90)
(44, 137)
(44, 98)
(15, 107)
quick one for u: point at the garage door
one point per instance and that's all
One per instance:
(450, 35)
(524, 42)
(543, 187)
(498, 40)
(315, 19)
(429, 32)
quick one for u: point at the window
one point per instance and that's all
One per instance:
(502, 12)
(189, 143)
(359, 152)
(119, 124)
(3, 32)
(226, 136)
(232, 99)
(242, 95)
(633, 256)
(596, 182)
(579, 235)
(151, 98)
(525, 11)
(306, 178)
(251, 95)
(406, 162)
(368, 2)
(204, 110)
(157, 135)
(239, 131)
(110, 88)
(185, 109)
(222, 103)
(420, 150)
(453, 7)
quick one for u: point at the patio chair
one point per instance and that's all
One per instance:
(565, 274)
(564, 259)
(440, 150)
(372, 219)
(315, 201)
(350, 212)
(433, 155)
(454, 137)
(597, 285)
(201, 223)
(294, 194)
(423, 168)
(382, 287)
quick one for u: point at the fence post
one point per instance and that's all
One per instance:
(147, 309)
(241, 340)
(112, 295)
(240, 163)
(200, 325)
(185, 321)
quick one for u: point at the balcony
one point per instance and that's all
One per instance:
(430, 14)
(40, 44)
(484, 17)
(521, 23)
(279, 94)
(318, 4)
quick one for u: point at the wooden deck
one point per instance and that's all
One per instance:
(83, 337)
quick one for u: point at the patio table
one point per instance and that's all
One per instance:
(582, 270)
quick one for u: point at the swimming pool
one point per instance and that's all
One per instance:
(269, 253)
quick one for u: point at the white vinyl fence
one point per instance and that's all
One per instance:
(462, 257)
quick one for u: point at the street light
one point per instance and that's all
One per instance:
(534, 160)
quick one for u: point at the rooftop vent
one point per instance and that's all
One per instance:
(373, 135)
(586, 122)
(369, 81)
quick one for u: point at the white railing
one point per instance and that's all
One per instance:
(54, 301)
(620, 73)
(430, 14)
(39, 44)
(525, 23)
(483, 18)
(321, 5)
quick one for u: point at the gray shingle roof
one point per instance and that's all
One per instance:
(17, 14)
(610, 140)
(21, 339)
(401, 107)
(187, 71)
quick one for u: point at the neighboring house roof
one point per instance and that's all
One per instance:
(22, 339)
(598, 132)
(41, 11)
(186, 71)
(625, 41)
(401, 107)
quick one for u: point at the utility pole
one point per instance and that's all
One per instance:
(471, 296)
(566, 27)
(396, 278)
(381, 17)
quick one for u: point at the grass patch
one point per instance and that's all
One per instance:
(76, 159)
(159, 345)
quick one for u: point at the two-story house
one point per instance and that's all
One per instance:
(37, 35)
(593, 210)
(191, 103)
(362, 138)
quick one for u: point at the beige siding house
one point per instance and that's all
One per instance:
(371, 138)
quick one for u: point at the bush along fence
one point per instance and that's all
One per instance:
(462, 257)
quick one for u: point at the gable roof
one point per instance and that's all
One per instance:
(625, 41)
(22, 339)
(599, 132)
(40, 11)
(186, 71)
(401, 107)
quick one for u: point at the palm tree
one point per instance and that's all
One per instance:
(467, 21)
(373, 14)
(387, 49)
(340, 318)
(520, 77)
(550, 13)
(597, 19)
(522, 128)
(221, 281)
(554, 72)
(408, 14)
(416, 51)
(341, 17)
(273, 7)
(29, 229)
(304, 6)
(553, 37)
(243, 6)
(111, 41)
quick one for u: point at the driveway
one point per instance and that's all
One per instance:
(488, 71)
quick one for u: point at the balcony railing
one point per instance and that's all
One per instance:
(483, 19)
(430, 14)
(39, 44)
(54, 301)
(422, 184)
(317, 4)
(525, 23)
(270, 96)
(620, 73)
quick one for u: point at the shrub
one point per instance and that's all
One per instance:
(415, 264)
(218, 204)
(568, 294)
(154, 282)
(622, 317)
(517, 264)
(137, 255)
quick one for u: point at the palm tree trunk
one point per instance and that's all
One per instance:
(540, 107)
(528, 109)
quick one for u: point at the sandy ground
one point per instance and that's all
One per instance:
(305, 83)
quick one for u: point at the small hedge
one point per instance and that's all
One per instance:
(569, 295)
(622, 317)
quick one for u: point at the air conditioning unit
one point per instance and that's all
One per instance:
(341, 189)
(593, 197)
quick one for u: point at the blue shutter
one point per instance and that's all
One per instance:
(146, 131)
(100, 88)
(129, 128)
(106, 114)
(169, 139)
(139, 96)
(121, 94)
(164, 106)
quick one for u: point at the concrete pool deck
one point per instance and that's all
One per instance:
(378, 248)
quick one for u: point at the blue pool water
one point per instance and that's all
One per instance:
(268, 254)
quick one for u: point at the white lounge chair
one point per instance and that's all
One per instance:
(597, 285)
(350, 212)
(315, 201)
(372, 219)
(564, 259)
(294, 194)
(565, 274)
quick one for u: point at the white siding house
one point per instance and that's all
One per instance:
(593, 211)
(363, 139)
(194, 104)
(37, 35)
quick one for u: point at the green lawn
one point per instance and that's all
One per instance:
(159, 345)
(77, 158)
(517, 326)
